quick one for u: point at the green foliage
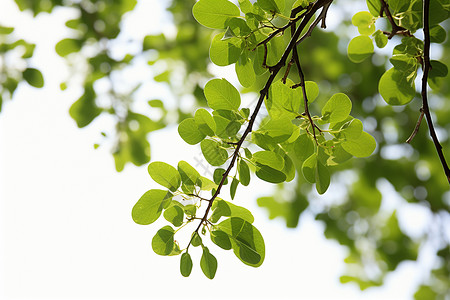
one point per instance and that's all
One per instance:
(307, 141)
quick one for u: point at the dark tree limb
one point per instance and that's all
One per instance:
(426, 69)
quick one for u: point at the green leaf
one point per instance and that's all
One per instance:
(337, 108)
(303, 147)
(437, 34)
(214, 154)
(282, 101)
(6, 30)
(85, 110)
(244, 71)
(33, 77)
(312, 91)
(244, 173)
(374, 7)
(360, 48)
(278, 129)
(309, 168)
(174, 215)
(214, 13)
(149, 207)
(352, 130)
(189, 175)
(289, 168)
(269, 158)
(205, 122)
(381, 39)
(222, 95)
(246, 240)
(269, 174)
(218, 175)
(365, 22)
(207, 184)
(189, 131)
(322, 176)
(208, 263)
(224, 52)
(272, 5)
(221, 239)
(224, 208)
(233, 187)
(185, 264)
(162, 242)
(246, 6)
(196, 239)
(395, 88)
(165, 175)
(67, 46)
(363, 146)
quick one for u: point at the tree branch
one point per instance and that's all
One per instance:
(426, 69)
(395, 28)
(312, 9)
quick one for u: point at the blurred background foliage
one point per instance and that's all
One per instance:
(368, 207)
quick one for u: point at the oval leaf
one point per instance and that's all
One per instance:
(185, 264)
(165, 175)
(363, 146)
(33, 77)
(360, 48)
(208, 263)
(162, 242)
(222, 95)
(214, 154)
(395, 88)
(189, 131)
(337, 108)
(149, 207)
(214, 13)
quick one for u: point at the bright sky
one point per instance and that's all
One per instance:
(65, 214)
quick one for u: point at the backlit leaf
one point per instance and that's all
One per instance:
(149, 207)
(165, 175)
(208, 263)
(222, 95)
(214, 13)
(163, 242)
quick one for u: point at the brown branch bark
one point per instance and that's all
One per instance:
(426, 69)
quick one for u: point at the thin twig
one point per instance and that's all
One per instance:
(395, 28)
(426, 69)
(416, 129)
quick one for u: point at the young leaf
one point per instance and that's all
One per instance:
(189, 131)
(174, 215)
(196, 240)
(360, 48)
(337, 108)
(185, 264)
(165, 175)
(221, 239)
(363, 146)
(233, 187)
(205, 122)
(149, 207)
(246, 6)
(309, 168)
(246, 240)
(222, 95)
(270, 159)
(208, 263)
(322, 178)
(395, 88)
(244, 173)
(214, 154)
(214, 13)
(162, 242)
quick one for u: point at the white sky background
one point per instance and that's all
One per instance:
(65, 214)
